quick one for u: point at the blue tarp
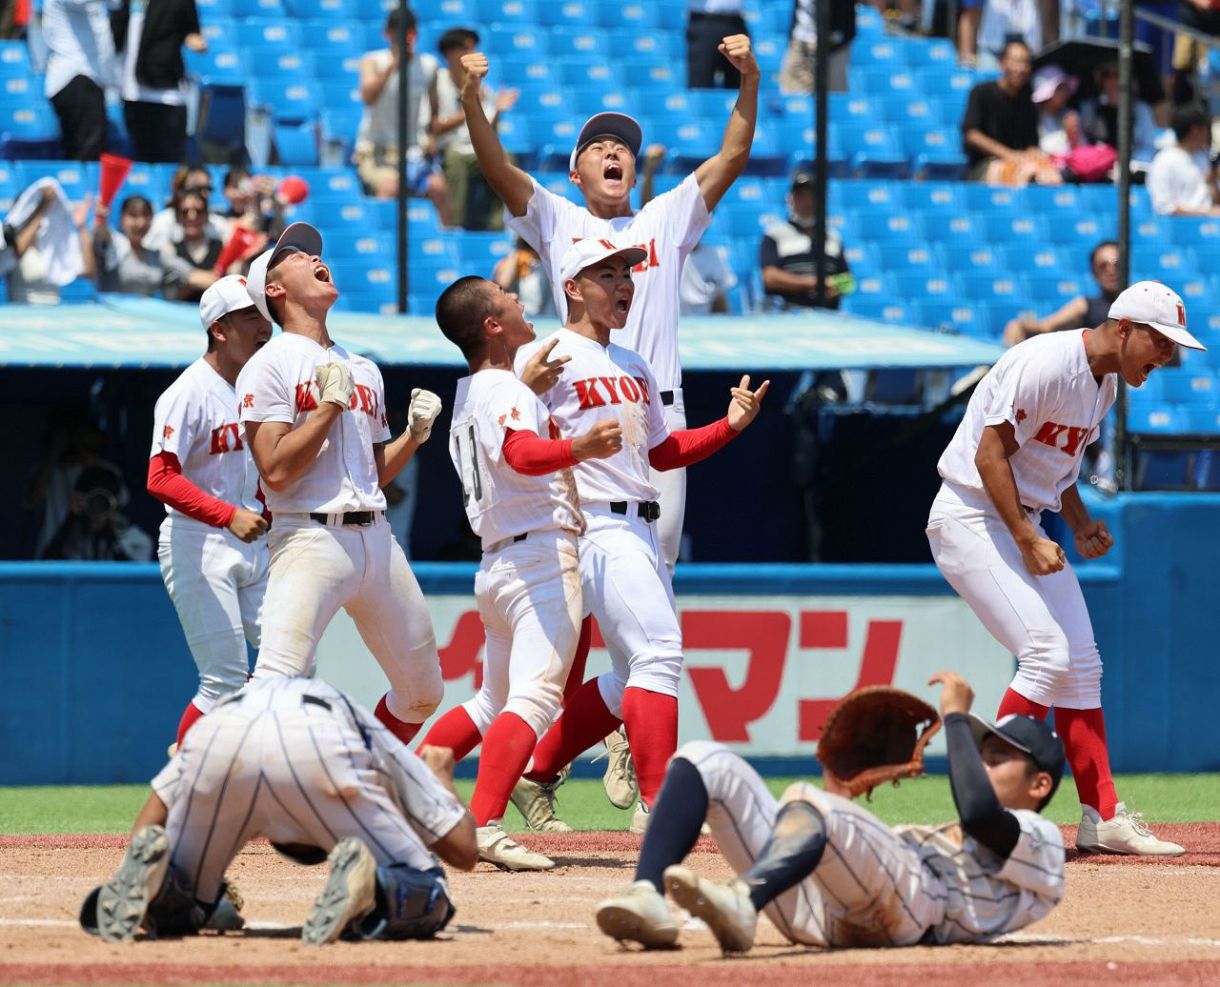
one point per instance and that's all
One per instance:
(137, 332)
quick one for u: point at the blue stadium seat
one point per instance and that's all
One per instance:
(1160, 261)
(1037, 259)
(1020, 231)
(640, 16)
(271, 10)
(883, 225)
(962, 317)
(479, 252)
(521, 39)
(872, 149)
(296, 102)
(585, 71)
(955, 229)
(935, 153)
(14, 60)
(914, 260)
(276, 33)
(337, 11)
(76, 178)
(1002, 288)
(209, 9)
(972, 256)
(340, 94)
(220, 64)
(887, 53)
(524, 71)
(917, 286)
(506, 11)
(579, 14)
(934, 56)
(880, 307)
(1053, 287)
(864, 192)
(296, 143)
(1081, 233)
(1186, 387)
(989, 198)
(932, 197)
(1193, 231)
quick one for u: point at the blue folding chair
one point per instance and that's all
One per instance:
(910, 260)
(568, 13)
(506, 12)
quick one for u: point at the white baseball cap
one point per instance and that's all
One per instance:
(298, 236)
(227, 295)
(584, 253)
(619, 125)
(1154, 304)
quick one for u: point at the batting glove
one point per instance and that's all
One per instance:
(335, 382)
(424, 408)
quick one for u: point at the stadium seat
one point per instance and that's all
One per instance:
(271, 10)
(506, 12)
(972, 256)
(882, 225)
(915, 261)
(959, 316)
(571, 13)
(979, 286)
(880, 307)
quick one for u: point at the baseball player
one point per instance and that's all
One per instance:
(521, 500)
(623, 572)
(828, 873)
(213, 558)
(297, 762)
(1017, 453)
(315, 421)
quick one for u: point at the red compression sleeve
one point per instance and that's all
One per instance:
(531, 455)
(688, 446)
(168, 485)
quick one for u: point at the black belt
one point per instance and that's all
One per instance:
(667, 398)
(351, 517)
(521, 537)
(649, 510)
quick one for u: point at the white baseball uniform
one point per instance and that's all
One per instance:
(528, 583)
(297, 762)
(626, 582)
(319, 564)
(668, 227)
(215, 580)
(1046, 391)
(877, 886)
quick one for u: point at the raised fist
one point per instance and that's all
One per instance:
(335, 382)
(421, 413)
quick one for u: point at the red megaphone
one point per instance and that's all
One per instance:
(114, 173)
(240, 241)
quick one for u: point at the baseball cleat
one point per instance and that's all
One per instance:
(349, 895)
(726, 909)
(1125, 833)
(619, 780)
(639, 914)
(497, 847)
(536, 801)
(639, 820)
(123, 901)
(226, 916)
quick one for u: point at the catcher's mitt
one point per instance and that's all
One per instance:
(876, 734)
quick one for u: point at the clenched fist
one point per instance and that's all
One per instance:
(736, 48)
(247, 525)
(474, 71)
(421, 413)
(602, 441)
(335, 382)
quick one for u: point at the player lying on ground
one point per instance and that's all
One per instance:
(1017, 453)
(521, 501)
(295, 761)
(827, 872)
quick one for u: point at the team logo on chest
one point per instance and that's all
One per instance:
(1065, 438)
(226, 438)
(597, 392)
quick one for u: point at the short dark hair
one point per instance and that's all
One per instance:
(234, 176)
(457, 37)
(1098, 249)
(394, 21)
(1009, 42)
(135, 202)
(460, 312)
(1185, 118)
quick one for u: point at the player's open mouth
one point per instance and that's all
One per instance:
(613, 171)
(322, 273)
(621, 307)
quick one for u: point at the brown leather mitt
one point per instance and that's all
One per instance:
(876, 734)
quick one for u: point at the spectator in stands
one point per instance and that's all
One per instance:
(80, 68)
(193, 257)
(123, 261)
(46, 244)
(521, 272)
(1058, 125)
(1099, 119)
(1003, 21)
(1182, 180)
(1082, 310)
(376, 152)
(1000, 127)
(786, 253)
(165, 226)
(153, 75)
(95, 530)
(445, 124)
(796, 74)
(707, 22)
(252, 202)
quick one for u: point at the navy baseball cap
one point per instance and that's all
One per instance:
(297, 236)
(619, 125)
(1036, 738)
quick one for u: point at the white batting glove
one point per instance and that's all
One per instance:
(421, 413)
(335, 382)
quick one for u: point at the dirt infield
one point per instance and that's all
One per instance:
(1124, 921)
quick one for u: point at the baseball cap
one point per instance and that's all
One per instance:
(227, 295)
(1049, 78)
(803, 179)
(618, 125)
(586, 252)
(298, 236)
(1033, 737)
(1154, 304)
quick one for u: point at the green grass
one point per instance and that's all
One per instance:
(111, 808)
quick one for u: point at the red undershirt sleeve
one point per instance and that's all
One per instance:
(168, 485)
(531, 455)
(688, 446)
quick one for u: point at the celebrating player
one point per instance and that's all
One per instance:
(213, 560)
(1016, 453)
(827, 872)
(316, 425)
(521, 500)
(623, 572)
(297, 762)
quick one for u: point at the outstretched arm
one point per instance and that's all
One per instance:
(719, 171)
(509, 182)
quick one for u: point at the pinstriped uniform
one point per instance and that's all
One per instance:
(877, 886)
(295, 761)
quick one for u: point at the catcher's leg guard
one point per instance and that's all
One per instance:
(795, 848)
(411, 904)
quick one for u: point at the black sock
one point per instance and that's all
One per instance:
(674, 822)
(793, 851)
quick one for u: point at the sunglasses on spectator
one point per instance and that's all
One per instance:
(205, 189)
(190, 211)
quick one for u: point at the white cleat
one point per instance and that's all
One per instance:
(123, 900)
(497, 847)
(349, 895)
(619, 780)
(726, 909)
(639, 914)
(536, 802)
(639, 820)
(1126, 833)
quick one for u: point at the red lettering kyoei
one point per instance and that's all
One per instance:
(226, 438)
(364, 398)
(597, 392)
(1066, 438)
(305, 399)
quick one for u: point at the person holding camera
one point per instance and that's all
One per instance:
(95, 530)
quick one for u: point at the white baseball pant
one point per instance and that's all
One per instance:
(870, 888)
(1042, 620)
(671, 487)
(216, 582)
(528, 593)
(318, 568)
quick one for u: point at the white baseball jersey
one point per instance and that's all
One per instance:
(602, 382)
(668, 227)
(1046, 391)
(196, 421)
(499, 501)
(278, 385)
